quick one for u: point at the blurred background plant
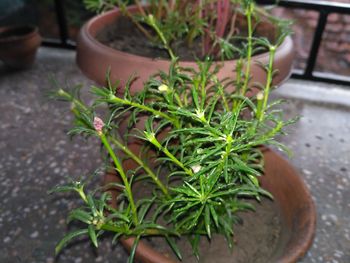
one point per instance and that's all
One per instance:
(217, 28)
(334, 43)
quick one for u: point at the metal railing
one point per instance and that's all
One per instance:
(324, 8)
(63, 41)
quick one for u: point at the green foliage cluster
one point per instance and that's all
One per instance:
(201, 155)
(207, 159)
(211, 24)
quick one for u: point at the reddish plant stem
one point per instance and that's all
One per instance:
(140, 7)
(172, 5)
(206, 36)
(159, 10)
(223, 11)
(232, 25)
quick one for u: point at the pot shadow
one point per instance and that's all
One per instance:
(6, 70)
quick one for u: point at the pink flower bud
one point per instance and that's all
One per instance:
(98, 124)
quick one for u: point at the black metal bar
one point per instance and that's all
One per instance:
(323, 77)
(321, 25)
(61, 20)
(58, 44)
(324, 8)
(331, 7)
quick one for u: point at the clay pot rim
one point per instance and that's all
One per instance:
(92, 37)
(147, 254)
(32, 31)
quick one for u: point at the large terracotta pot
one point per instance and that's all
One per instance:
(298, 213)
(18, 45)
(95, 58)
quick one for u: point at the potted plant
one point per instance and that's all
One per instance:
(142, 39)
(18, 45)
(203, 158)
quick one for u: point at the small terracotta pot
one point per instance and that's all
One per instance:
(298, 213)
(95, 58)
(18, 45)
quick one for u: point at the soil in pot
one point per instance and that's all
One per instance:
(123, 35)
(257, 238)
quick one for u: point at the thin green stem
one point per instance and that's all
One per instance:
(142, 164)
(125, 10)
(82, 194)
(116, 99)
(152, 139)
(120, 169)
(268, 81)
(152, 22)
(226, 155)
(224, 100)
(65, 95)
(178, 99)
(249, 49)
(140, 7)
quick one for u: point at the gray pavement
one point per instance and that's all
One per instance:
(36, 154)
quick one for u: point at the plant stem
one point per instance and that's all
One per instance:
(120, 169)
(222, 93)
(142, 164)
(233, 24)
(65, 95)
(250, 48)
(154, 141)
(159, 10)
(268, 81)
(226, 155)
(140, 8)
(178, 99)
(124, 9)
(152, 22)
(116, 99)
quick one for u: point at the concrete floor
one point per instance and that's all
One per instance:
(35, 155)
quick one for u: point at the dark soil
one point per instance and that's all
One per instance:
(124, 36)
(256, 240)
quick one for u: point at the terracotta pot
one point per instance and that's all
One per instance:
(95, 58)
(298, 213)
(18, 45)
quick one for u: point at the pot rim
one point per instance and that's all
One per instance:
(32, 31)
(87, 27)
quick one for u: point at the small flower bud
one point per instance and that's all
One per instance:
(98, 125)
(259, 106)
(196, 168)
(60, 92)
(214, 79)
(151, 19)
(163, 88)
(199, 151)
(260, 96)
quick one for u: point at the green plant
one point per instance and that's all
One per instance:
(210, 24)
(201, 153)
(202, 142)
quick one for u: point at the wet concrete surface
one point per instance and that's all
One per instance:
(36, 154)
